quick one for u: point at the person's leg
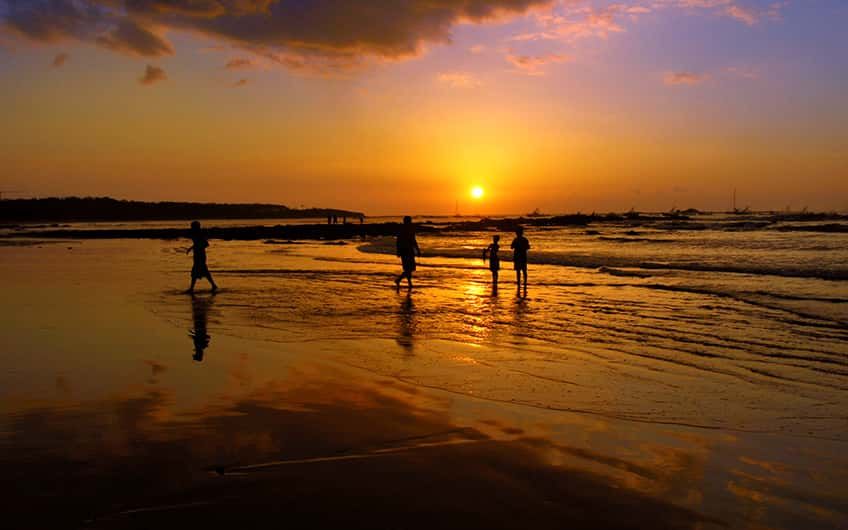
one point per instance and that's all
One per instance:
(212, 282)
(191, 288)
(409, 279)
(525, 277)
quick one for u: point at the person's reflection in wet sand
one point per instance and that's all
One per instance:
(519, 323)
(200, 306)
(406, 324)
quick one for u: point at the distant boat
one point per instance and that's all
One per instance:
(737, 211)
(536, 213)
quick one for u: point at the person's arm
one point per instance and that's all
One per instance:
(486, 253)
(189, 249)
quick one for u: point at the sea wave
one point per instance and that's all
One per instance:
(615, 264)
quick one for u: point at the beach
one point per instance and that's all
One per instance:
(638, 384)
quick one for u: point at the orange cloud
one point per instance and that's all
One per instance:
(744, 14)
(534, 64)
(459, 80)
(684, 78)
(60, 60)
(152, 75)
(239, 63)
(241, 82)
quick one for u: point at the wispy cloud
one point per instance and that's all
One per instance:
(747, 73)
(572, 20)
(684, 78)
(459, 80)
(60, 59)
(152, 75)
(240, 63)
(241, 82)
(534, 64)
(743, 14)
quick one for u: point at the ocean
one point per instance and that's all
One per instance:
(735, 332)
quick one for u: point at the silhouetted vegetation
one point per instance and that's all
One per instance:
(107, 209)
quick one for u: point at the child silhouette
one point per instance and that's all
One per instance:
(494, 261)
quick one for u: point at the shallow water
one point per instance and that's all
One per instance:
(657, 363)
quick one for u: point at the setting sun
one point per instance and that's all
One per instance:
(477, 192)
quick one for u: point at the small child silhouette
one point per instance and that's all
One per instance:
(199, 268)
(494, 261)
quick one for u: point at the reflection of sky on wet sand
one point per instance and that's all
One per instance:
(315, 439)
(104, 412)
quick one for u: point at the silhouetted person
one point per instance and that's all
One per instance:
(407, 248)
(200, 315)
(494, 261)
(198, 246)
(361, 219)
(344, 219)
(335, 219)
(520, 246)
(329, 219)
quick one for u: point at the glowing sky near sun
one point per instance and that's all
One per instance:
(557, 105)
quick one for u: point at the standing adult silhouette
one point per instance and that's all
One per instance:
(520, 246)
(407, 249)
(198, 246)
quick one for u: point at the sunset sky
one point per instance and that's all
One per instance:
(403, 106)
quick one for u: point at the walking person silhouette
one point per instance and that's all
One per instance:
(494, 261)
(407, 248)
(520, 246)
(199, 268)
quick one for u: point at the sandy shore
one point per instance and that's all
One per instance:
(108, 420)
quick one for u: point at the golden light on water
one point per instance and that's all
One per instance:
(477, 192)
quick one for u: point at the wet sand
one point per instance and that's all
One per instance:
(108, 420)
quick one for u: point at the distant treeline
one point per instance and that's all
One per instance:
(107, 209)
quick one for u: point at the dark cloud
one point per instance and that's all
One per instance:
(60, 59)
(304, 35)
(152, 74)
(52, 20)
(366, 27)
(128, 37)
(198, 8)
